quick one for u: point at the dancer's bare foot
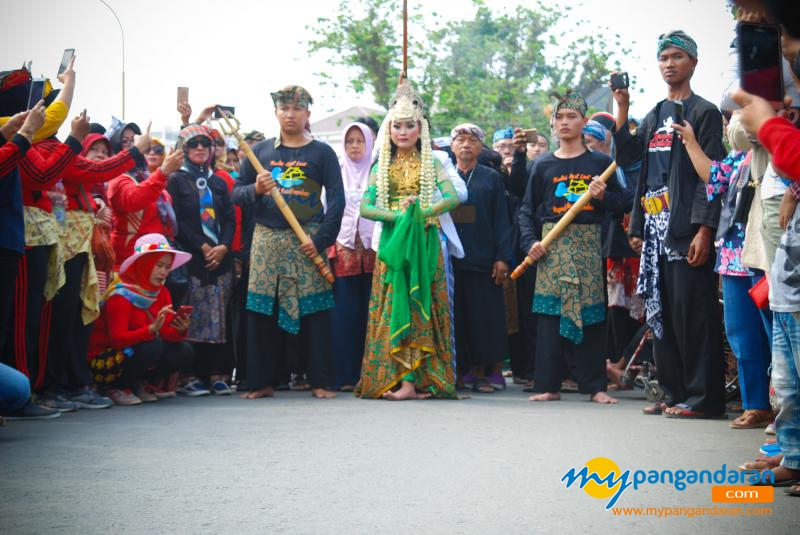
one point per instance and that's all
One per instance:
(603, 398)
(406, 391)
(423, 395)
(547, 396)
(322, 393)
(266, 392)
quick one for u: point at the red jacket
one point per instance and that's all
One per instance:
(122, 325)
(135, 212)
(11, 153)
(782, 139)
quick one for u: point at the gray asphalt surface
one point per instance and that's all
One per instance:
(293, 464)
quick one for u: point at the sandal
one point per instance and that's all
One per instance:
(655, 409)
(791, 480)
(762, 463)
(482, 386)
(752, 419)
(682, 411)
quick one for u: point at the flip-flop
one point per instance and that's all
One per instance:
(791, 491)
(768, 462)
(787, 483)
(655, 409)
(482, 386)
(687, 413)
(752, 419)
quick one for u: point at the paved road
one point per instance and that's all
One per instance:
(490, 464)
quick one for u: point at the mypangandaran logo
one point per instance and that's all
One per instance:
(601, 478)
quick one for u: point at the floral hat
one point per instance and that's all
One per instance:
(155, 243)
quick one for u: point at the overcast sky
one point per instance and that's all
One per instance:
(234, 52)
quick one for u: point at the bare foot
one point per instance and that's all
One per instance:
(603, 398)
(322, 393)
(547, 396)
(763, 463)
(423, 395)
(266, 392)
(782, 474)
(406, 391)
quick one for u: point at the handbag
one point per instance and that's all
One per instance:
(759, 293)
(102, 250)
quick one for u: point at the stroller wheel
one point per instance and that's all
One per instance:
(654, 392)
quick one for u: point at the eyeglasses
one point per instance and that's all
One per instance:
(199, 142)
(158, 150)
(219, 142)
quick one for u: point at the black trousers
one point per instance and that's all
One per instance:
(689, 359)
(620, 330)
(213, 359)
(26, 340)
(522, 344)
(349, 326)
(155, 360)
(67, 366)
(586, 362)
(9, 268)
(480, 319)
(239, 325)
(270, 349)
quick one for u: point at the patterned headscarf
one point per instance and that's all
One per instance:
(505, 133)
(467, 128)
(678, 39)
(596, 130)
(292, 94)
(571, 99)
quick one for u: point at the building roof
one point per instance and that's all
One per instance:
(336, 122)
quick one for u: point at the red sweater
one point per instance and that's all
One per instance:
(782, 139)
(122, 325)
(82, 171)
(135, 212)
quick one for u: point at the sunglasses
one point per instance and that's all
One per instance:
(199, 142)
(158, 150)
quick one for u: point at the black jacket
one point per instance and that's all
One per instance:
(186, 202)
(689, 206)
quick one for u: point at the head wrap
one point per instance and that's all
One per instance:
(254, 135)
(596, 130)
(187, 134)
(571, 99)
(355, 178)
(91, 139)
(678, 39)
(292, 94)
(505, 133)
(467, 128)
(605, 119)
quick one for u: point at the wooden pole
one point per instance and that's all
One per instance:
(405, 40)
(563, 223)
(233, 130)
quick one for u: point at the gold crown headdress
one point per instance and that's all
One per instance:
(406, 103)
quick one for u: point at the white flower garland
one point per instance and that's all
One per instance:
(427, 184)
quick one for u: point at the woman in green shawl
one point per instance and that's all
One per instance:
(408, 351)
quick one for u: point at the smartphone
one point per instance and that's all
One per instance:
(230, 110)
(37, 92)
(185, 310)
(679, 112)
(531, 135)
(183, 95)
(619, 80)
(65, 59)
(760, 61)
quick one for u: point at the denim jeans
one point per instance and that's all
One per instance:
(786, 381)
(749, 333)
(15, 390)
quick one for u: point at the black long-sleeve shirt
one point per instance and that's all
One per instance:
(301, 173)
(556, 184)
(186, 203)
(689, 207)
(482, 222)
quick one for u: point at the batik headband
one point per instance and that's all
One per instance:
(467, 128)
(678, 39)
(292, 94)
(596, 130)
(505, 133)
(572, 100)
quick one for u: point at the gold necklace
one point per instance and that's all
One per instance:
(406, 170)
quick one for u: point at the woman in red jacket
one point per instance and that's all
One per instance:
(138, 338)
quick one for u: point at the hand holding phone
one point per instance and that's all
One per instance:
(531, 135)
(679, 112)
(66, 59)
(619, 80)
(228, 110)
(185, 310)
(760, 61)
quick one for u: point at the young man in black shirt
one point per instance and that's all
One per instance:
(286, 295)
(569, 296)
(672, 225)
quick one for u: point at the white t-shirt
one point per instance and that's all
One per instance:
(772, 185)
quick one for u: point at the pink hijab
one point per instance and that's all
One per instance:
(355, 179)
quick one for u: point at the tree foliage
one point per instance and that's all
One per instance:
(491, 69)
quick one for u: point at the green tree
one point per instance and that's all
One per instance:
(490, 70)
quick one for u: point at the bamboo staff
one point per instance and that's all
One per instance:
(563, 223)
(231, 128)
